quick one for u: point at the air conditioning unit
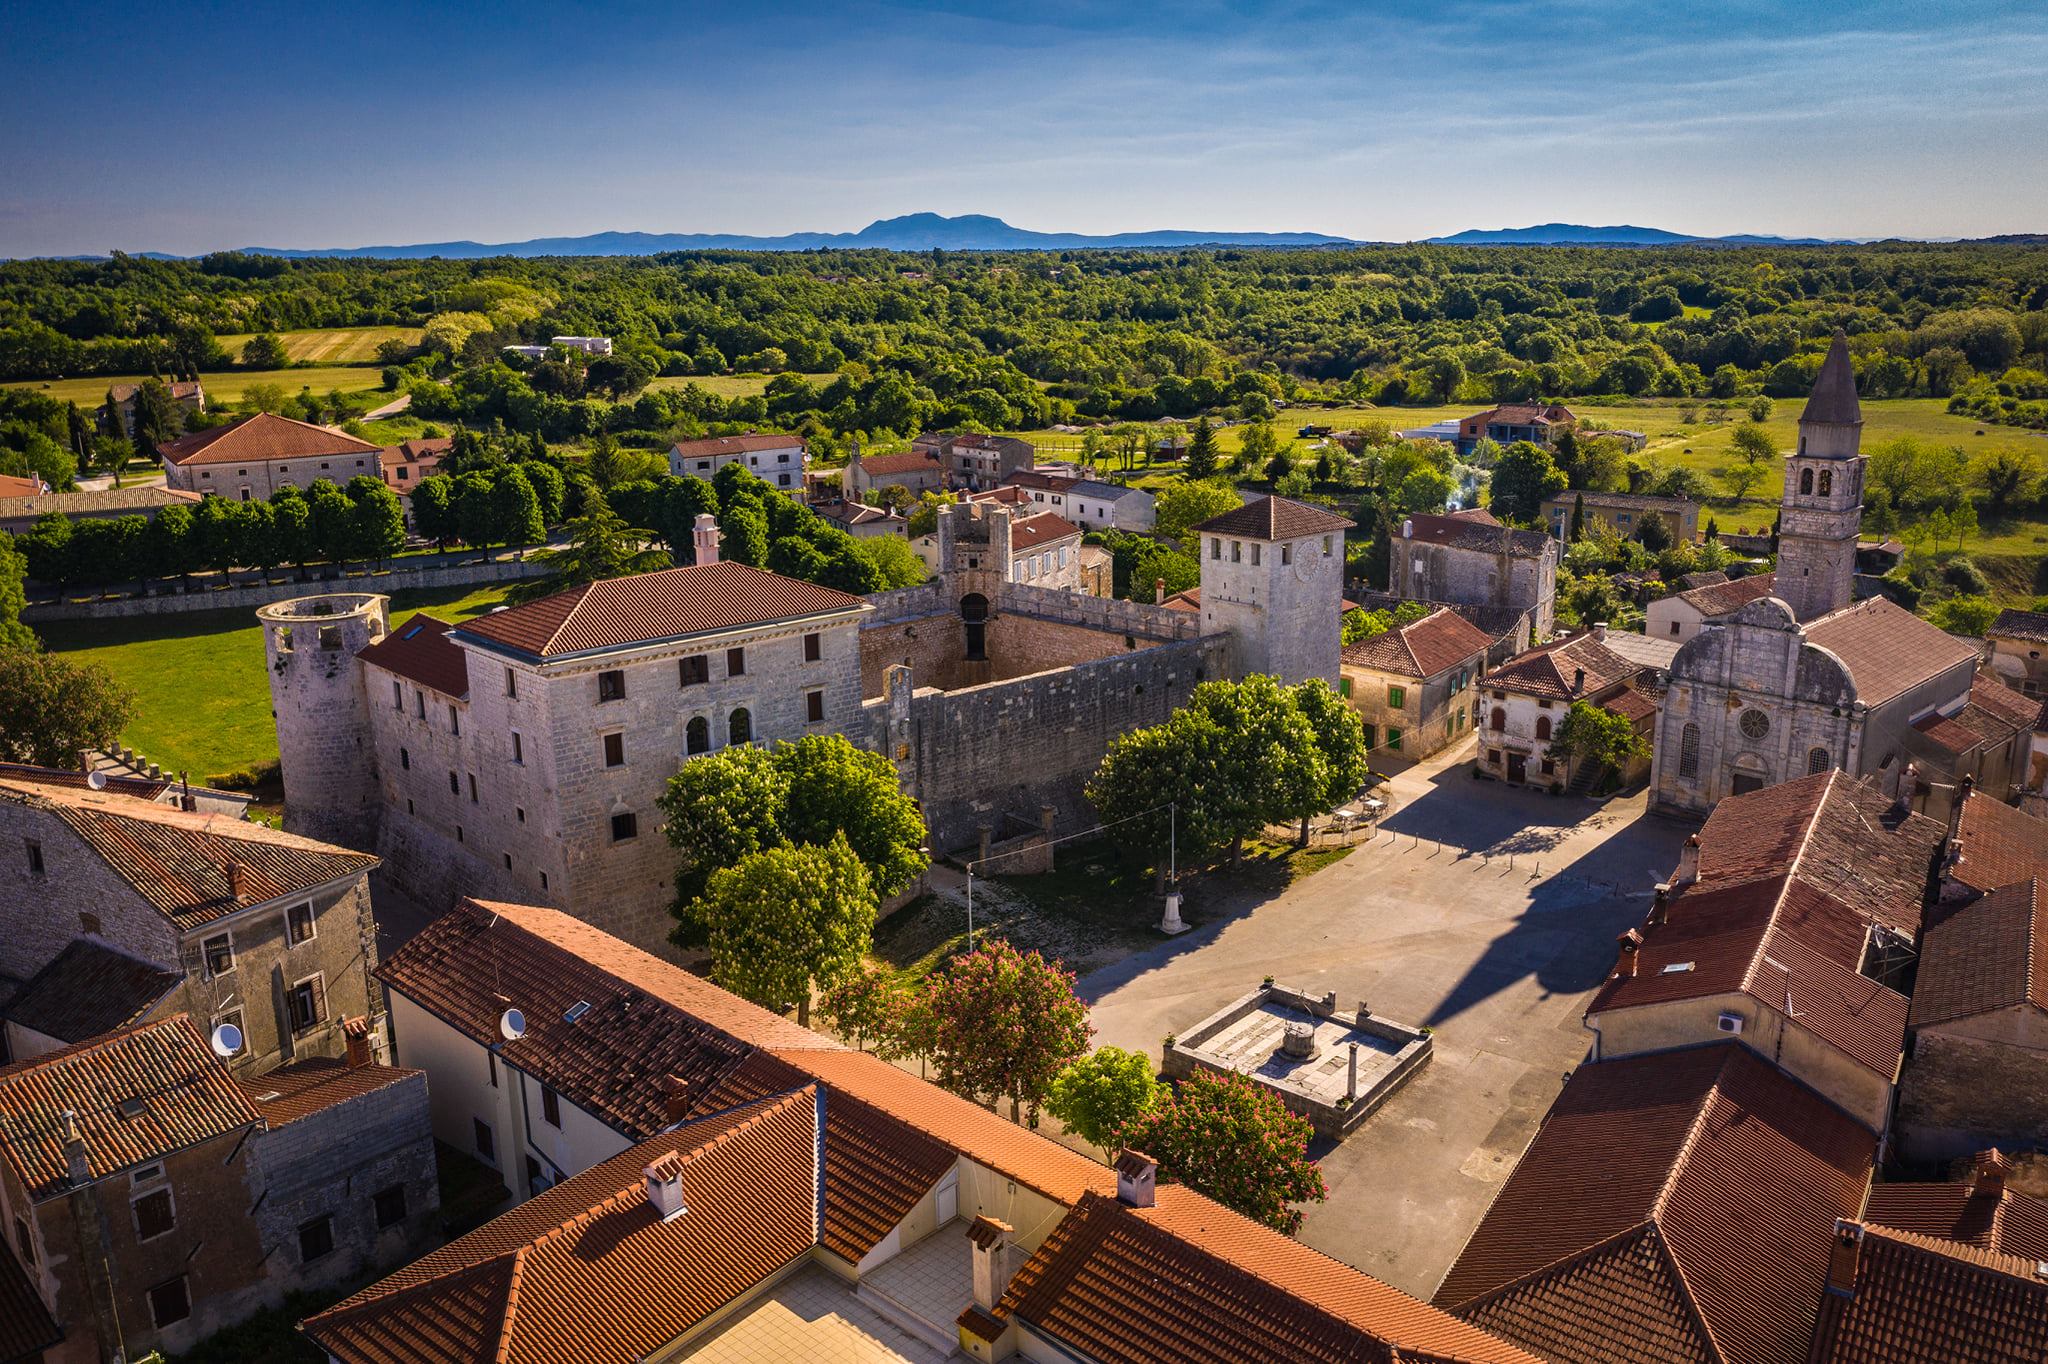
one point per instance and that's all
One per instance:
(1730, 1023)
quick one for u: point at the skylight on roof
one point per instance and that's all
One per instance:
(1675, 968)
(412, 630)
(135, 1107)
(576, 1011)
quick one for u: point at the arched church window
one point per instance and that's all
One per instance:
(740, 729)
(1543, 726)
(1827, 481)
(1754, 723)
(1806, 481)
(1689, 750)
(697, 736)
(1500, 718)
(1816, 761)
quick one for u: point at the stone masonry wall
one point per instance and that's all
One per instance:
(1960, 1095)
(77, 892)
(404, 575)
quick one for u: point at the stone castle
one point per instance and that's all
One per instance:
(520, 755)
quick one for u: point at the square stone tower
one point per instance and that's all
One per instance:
(1823, 503)
(1273, 580)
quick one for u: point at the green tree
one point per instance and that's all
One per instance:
(1339, 742)
(171, 551)
(1005, 1023)
(13, 597)
(895, 563)
(1256, 445)
(515, 510)
(1201, 460)
(334, 527)
(867, 1006)
(1752, 443)
(1968, 615)
(291, 527)
(2003, 475)
(51, 710)
(1523, 477)
(600, 545)
(1741, 478)
(264, 351)
(1759, 409)
(606, 466)
(1224, 1136)
(1182, 505)
(1098, 1096)
(789, 920)
(433, 509)
(1578, 516)
(718, 810)
(376, 520)
(158, 417)
(1424, 491)
(1594, 735)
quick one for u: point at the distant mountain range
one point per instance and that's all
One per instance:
(1576, 234)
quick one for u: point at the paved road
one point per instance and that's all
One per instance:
(1497, 956)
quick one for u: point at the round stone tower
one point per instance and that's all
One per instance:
(323, 720)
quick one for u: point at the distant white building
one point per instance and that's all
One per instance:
(776, 459)
(589, 345)
(1089, 503)
(528, 352)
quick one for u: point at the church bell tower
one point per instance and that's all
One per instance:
(1823, 503)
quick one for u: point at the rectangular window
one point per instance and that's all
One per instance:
(615, 750)
(1397, 697)
(611, 685)
(35, 857)
(814, 648)
(233, 1019)
(454, 721)
(1286, 555)
(492, 1058)
(518, 748)
(486, 1140)
(735, 662)
(390, 1206)
(508, 861)
(154, 1215)
(1237, 551)
(219, 954)
(169, 1303)
(299, 925)
(1370, 732)
(1326, 546)
(454, 785)
(419, 704)
(511, 683)
(625, 825)
(472, 788)
(405, 759)
(550, 1107)
(520, 811)
(1255, 554)
(814, 706)
(397, 694)
(458, 833)
(316, 1238)
(1393, 738)
(306, 1003)
(694, 670)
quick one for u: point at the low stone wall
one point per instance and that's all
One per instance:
(404, 575)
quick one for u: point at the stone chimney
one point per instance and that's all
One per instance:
(1600, 629)
(1844, 1258)
(1578, 680)
(1407, 530)
(1688, 863)
(1158, 591)
(238, 882)
(1660, 904)
(704, 538)
(994, 1260)
(665, 1186)
(1988, 1173)
(76, 1163)
(1631, 944)
(675, 1098)
(356, 1031)
(1137, 1179)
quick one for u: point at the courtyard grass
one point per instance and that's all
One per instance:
(202, 695)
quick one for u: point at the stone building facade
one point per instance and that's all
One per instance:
(1470, 558)
(248, 460)
(1273, 582)
(1522, 702)
(1413, 685)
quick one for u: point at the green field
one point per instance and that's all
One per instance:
(728, 385)
(202, 697)
(331, 346)
(226, 387)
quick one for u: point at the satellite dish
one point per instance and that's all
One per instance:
(512, 1025)
(227, 1040)
(96, 779)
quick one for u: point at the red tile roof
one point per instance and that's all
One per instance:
(1274, 518)
(1996, 845)
(588, 1270)
(1631, 705)
(179, 861)
(2013, 623)
(646, 608)
(1435, 644)
(1477, 529)
(140, 1094)
(1918, 1300)
(89, 988)
(14, 486)
(2008, 1221)
(420, 651)
(1552, 669)
(735, 445)
(1719, 599)
(1887, 648)
(914, 462)
(26, 1329)
(316, 1084)
(1039, 478)
(1030, 532)
(1674, 1207)
(263, 437)
(1988, 956)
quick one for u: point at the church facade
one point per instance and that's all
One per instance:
(1806, 679)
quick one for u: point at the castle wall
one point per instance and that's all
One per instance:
(316, 694)
(405, 575)
(1961, 1094)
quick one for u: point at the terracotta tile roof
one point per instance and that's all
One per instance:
(13, 486)
(1996, 845)
(1190, 600)
(1030, 532)
(265, 436)
(2007, 711)
(316, 1084)
(648, 1019)
(26, 1328)
(1837, 835)
(90, 988)
(1042, 480)
(1674, 1207)
(1113, 1285)
(1990, 955)
(2013, 623)
(1524, 414)
(1993, 715)
(647, 608)
(1887, 648)
(1631, 705)
(588, 1270)
(735, 445)
(2008, 1221)
(420, 651)
(1275, 518)
(914, 462)
(1719, 599)
(142, 788)
(177, 1091)
(138, 501)
(1440, 641)
(1476, 529)
(1550, 670)
(418, 450)
(1918, 1299)
(178, 860)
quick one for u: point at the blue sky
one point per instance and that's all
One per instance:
(187, 127)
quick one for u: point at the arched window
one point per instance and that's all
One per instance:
(1806, 480)
(740, 729)
(697, 736)
(1817, 761)
(1543, 726)
(1827, 481)
(1689, 750)
(1500, 718)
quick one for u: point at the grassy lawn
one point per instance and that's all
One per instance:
(227, 387)
(332, 346)
(202, 697)
(728, 385)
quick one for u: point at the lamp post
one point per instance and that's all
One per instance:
(1170, 923)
